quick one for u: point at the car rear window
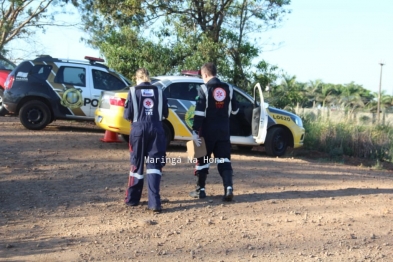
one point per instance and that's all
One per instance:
(6, 65)
(40, 72)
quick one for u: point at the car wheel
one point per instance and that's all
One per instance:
(126, 138)
(276, 141)
(35, 115)
(3, 111)
(168, 134)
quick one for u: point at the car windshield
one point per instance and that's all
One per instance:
(128, 81)
(6, 64)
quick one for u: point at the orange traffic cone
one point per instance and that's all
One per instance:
(110, 137)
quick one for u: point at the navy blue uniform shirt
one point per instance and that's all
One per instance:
(145, 107)
(214, 104)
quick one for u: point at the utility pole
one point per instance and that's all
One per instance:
(379, 94)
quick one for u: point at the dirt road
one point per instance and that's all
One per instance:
(62, 191)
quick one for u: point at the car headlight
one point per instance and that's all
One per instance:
(297, 120)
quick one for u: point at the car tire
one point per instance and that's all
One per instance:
(3, 111)
(126, 138)
(168, 134)
(276, 142)
(35, 115)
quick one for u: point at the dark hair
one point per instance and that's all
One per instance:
(210, 69)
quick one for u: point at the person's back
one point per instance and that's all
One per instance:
(144, 97)
(219, 100)
(145, 108)
(214, 105)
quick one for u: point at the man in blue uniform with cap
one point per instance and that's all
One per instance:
(214, 105)
(145, 108)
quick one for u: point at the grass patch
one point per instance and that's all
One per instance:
(338, 139)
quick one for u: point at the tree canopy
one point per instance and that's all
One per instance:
(169, 36)
(184, 34)
(20, 19)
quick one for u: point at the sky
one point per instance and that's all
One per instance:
(336, 41)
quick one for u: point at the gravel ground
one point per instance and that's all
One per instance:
(62, 191)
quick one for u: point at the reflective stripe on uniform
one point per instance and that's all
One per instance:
(134, 104)
(222, 160)
(139, 176)
(230, 100)
(204, 89)
(159, 104)
(199, 113)
(235, 112)
(202, 167)
(153, 171)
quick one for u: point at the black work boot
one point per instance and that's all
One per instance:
(228, 195)
(228, 185)
(200, 189)
(198, 193)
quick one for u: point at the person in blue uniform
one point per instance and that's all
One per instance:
(146, 106)
(214, 105)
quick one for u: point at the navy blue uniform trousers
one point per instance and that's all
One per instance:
(217, 139)
(147, 146)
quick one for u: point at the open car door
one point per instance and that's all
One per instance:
(259, 116)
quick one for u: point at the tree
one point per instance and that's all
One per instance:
(265, 74)
(20, 18)
(385, 105)
(287, 94)
(310, 92)
(350, 98)
(129, 50)
(326, 95)
(251, 18)
(195, 31)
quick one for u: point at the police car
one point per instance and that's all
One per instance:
(256, 123)
(46, 88)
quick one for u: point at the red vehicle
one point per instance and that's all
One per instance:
(6, 67)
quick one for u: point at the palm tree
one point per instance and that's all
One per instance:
(310, 92)
(350, 98)
(326, 95)
(386, 102)
(288, 93)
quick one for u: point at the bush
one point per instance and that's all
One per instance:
(345, 138)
